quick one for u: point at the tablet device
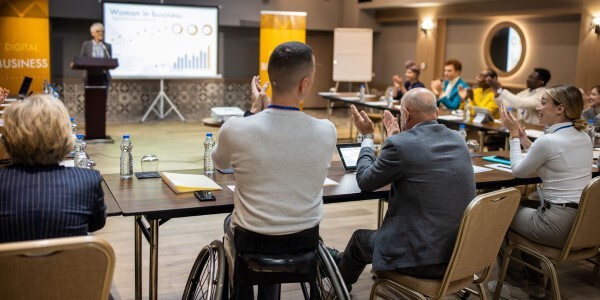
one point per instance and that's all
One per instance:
(349, 155)
(486, 116)
(497, 159)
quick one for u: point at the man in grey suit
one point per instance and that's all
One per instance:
(430, 170)
(96, 47)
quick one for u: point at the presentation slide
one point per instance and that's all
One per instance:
(162, 41)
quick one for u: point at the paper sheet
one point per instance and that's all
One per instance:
(70, 163)
(451, 118)
(500, 167)
(478, 169)
(328, 182)
(534, 133)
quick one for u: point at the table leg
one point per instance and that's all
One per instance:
(380, 212)
(153, 259)
(329, 108)
(138, 258)
(481, 135)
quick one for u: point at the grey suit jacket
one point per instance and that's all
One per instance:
(88, 46)
(432, 180)
(86, 51)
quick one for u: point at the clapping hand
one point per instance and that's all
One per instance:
(397, 80)
(510, 122)
(361, 121)
(436, 86)
(463, 92)
(260, 100)
(391, 123)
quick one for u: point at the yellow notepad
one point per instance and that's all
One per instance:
(184, 183)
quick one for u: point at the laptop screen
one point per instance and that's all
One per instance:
(349, 155)
(25, 86)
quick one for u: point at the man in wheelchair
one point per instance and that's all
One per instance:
(280, 157)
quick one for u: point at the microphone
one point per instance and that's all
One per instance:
(106, 51)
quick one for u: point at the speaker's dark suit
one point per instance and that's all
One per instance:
(86, 51)
(40, 202)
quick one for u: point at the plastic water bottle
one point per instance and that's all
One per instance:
(77, 145)
(546, 129)
(467, 112)
(361, 93)
(591, 130)
(462, 131)
(46, 88)
(209, 144)
(126, 158)
(390, 94)
(81, 158)
(55, 93)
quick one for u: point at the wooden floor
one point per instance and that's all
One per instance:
(178, 145)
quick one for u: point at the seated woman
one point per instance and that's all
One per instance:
(38, 198)
(412, 80)
(563, 160)
(593, 113)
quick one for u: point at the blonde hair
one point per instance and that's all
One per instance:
(37, 131)
(572, 100)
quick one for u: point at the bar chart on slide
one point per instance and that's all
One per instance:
(198, 61)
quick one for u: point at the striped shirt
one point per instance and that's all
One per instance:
(40, 202)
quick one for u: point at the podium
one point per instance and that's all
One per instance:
(96, 92)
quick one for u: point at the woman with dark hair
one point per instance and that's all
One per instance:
(563, 160)
(412, 80)
(593, 113)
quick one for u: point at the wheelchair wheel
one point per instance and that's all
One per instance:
(329, 280)
(207, 280)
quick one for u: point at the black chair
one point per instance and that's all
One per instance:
(275, 259)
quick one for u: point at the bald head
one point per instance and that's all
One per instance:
(420, 105)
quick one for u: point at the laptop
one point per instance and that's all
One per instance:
(483, 114)
(25, 87)
(349, 155)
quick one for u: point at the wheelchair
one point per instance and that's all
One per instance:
(261, 260)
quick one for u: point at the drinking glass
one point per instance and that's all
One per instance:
(473, 146)
(149, 163)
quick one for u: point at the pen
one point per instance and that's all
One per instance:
(503, 166)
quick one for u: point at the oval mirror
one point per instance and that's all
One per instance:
(505, 48)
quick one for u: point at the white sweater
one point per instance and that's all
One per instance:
(280, 160)
(525, 102)
(563, 159)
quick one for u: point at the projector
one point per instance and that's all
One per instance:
(221, 114)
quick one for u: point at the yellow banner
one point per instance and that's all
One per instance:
(278, 27)
(24, 43)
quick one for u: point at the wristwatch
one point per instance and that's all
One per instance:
(368, 136)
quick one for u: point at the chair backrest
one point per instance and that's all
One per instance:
(63, 268)
(584, 232)
(264, 259)
(482, 229)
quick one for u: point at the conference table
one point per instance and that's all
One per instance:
(153, 203)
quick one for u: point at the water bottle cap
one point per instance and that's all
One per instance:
(461, 126)
(80, 136)
(590, 121)
(209, 134)
(509, 109)
(72, 120)
(126, 136)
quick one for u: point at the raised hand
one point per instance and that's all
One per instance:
(510, 122)
(436, 86)
(391, 123)
(361, 121)
(463, 92)
(260, 100)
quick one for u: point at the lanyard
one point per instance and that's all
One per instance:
(559, 128)
(283, 107)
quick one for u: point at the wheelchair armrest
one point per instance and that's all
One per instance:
(299, 263)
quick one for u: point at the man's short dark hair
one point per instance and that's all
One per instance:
(455, 63)
(492, 73)
(288, 63)
(543, 75)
